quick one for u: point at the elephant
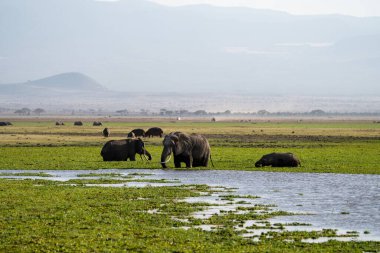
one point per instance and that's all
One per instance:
(122, 150)
(278, 160)
(78, 123)
(6, 123)
(193, 150)
(106, 132)
(97, 123)
(138, 132)
(154, 131)
(59, 123)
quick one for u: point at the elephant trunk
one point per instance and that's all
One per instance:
(165, 153)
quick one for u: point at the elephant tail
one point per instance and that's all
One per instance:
(212, 163)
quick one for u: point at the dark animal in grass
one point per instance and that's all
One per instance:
(154, 131)
(138, 132)
(5, 123)
(106, 132)
(122, 150)
(278, 160)
(97, 123)
(193, 150)
(59, 123)
(78, 123)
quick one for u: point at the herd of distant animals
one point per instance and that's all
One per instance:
(192, 149)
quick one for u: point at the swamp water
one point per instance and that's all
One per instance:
(325, 201)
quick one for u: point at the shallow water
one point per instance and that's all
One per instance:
(338, 201)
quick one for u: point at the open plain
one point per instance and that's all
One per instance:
(65, 216)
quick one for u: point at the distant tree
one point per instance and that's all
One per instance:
(200, 112)
(144, 112)
(317, 112)
(169, 113)
(122, 112)
(19, 111)
(23, 111)
(227, 112)
(38, 111)
(263, 112)
(183, 112)
(26, 111)
(162, 112)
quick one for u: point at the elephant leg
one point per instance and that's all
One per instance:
(205, 162)
(132, 157)
(177, 162)
(189, 161)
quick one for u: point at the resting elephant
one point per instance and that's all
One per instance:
(154, 131)
(193, 150)
(278, 160)
(138, 132)
(121, 150)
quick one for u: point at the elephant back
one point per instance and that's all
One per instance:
(154, 131)
(138, 132)
(200, 144)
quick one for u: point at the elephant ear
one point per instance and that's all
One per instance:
(182, 143)
(139, 145)
(174, 138)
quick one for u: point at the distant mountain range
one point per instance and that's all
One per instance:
(140, 46)
(61, 84)
(74, 91)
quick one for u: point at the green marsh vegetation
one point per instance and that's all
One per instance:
(332, 147)
(42, 215)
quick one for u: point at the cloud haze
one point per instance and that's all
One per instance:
(141, 46)
(360, 8)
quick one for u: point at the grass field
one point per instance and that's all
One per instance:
(333, 147)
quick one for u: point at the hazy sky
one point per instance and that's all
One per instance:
(348, 7)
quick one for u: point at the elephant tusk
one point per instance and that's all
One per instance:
(145, 157)
(167, 159)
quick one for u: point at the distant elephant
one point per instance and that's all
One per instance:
(278, 160)
(78, 123)
(154, 131)
(121, 150)
(6, 123)
(97, 123)
(194, 150)
(138, 132)
(59, 123)
(106, 132)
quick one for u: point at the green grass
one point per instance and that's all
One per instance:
(357, 157)
(333, 147)
(45, 216)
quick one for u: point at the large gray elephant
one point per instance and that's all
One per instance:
(278, 160)
(193, 150)
(121, 150)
